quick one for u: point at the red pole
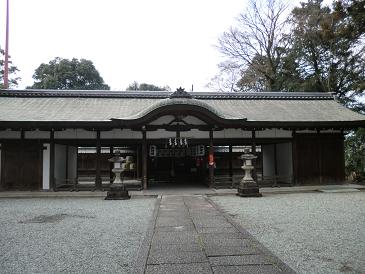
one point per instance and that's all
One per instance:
(6, 63)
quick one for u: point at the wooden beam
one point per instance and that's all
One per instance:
(98, 181)
(144, 159)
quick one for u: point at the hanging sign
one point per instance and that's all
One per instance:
(153, 151)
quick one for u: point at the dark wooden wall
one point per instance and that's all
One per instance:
(86, 164)
(21, 166)
(319, 158)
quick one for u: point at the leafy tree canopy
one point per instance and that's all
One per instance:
(255, 46)
(313, 48)
(328, 49)
(62, 73)
(13, 80)
(147, 87)
(355, 154)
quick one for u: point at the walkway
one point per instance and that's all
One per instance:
(191, 235)
(182, 190)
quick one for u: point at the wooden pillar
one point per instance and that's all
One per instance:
(144, 159)
(111, 165)
(98, 181)
(275, 164)
(294, 158)
(1, 168)
(52, 161)
(67, 162)
(138, 161)
(320, 173)
(253, 149)
(211, 159)
(343, 175)
(21, 167)
(230, 163)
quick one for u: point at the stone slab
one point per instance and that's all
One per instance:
(212, 224)
(339, 190)
(192, 235)
(177, 257)
(239, 260)
(222, 235)
(222, 242)
(170, 221)
(194, 268)
(215, 229)
(249, 269)
(174, 239)
(189, 227)
(216, 250)
(177, 247)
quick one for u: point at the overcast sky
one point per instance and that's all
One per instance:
(161, 42)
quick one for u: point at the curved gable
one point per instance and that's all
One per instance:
(176, 106)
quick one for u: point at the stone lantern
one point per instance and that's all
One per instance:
(248, 187)
(118, 190)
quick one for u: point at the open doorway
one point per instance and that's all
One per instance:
(177, 166)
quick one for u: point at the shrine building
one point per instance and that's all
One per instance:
(62, 139)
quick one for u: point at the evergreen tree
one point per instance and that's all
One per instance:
(13, 80)
(62, 73)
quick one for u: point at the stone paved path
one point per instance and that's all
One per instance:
(192, 236)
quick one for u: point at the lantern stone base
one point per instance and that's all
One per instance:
(248, 189)
(117, 192)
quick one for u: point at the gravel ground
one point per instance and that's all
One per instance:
(78, 235)
(311, 232)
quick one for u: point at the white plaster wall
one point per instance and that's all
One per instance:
(163, 120)
(75, 134)
(306, 131)
(330, 131)
(315, 131)
(195, 134)
(9, 134)
(121, 134)
(194, 120)
(168, 118)
(191, 134)
(60, 162)
(36, 134)
(72, 162)
(161, 134)
(284, 159)
(273, 133)
(111, 134)
(232, 133)
(268, 158)
(46, 167)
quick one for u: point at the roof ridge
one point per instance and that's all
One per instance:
(167, 94)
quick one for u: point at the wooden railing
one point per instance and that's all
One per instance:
(88, 183)
(226, 181)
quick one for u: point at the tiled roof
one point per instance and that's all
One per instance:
(98, 106)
